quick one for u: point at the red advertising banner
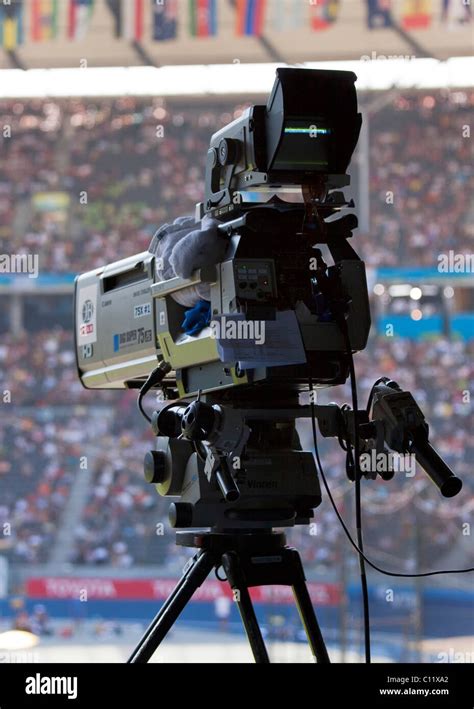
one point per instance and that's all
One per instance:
(60, 587)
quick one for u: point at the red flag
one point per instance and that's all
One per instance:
(416, 14)
(323, 13)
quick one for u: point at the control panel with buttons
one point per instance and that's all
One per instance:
(255, 279)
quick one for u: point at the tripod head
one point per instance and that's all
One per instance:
(232, 468)
(236, 467)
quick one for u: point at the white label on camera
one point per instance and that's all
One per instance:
(87, 315)
(139, 311)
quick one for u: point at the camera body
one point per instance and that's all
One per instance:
(126, 319)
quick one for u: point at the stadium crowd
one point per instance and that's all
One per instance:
(38, 369)
(124, 521)
(421, 179)
(40, 455)
(84, 182)
(122, 167)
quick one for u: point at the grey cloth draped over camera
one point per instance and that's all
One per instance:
(184, 246)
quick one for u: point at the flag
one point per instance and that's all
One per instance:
(79, 16)
(164, 20)
(286, 15)
(131, 19)
(202, 18)
(250, 17)
(416, 14)
(379, 14)
(11, 24)
(323, 13)
(128, 18)
(44, 19)
(457, 11)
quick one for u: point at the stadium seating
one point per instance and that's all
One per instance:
(119, 178)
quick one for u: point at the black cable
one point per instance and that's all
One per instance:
(360, 543)
(141, 409)
(346, 530)
(339, 437)
(156, 376)
(358, 505)
(339, 303)
(342, 444)
(371, 395)
(198, 451)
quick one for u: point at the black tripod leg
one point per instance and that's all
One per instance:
(172, 607)
(307, 614)
(236, 579)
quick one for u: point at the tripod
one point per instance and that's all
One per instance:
(248, 559)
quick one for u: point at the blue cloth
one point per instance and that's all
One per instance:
(197, 318)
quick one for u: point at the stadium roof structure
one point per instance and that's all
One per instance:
(347, 38)
(201, 82)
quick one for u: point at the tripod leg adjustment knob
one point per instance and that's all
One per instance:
(181, 514)
(154, 465)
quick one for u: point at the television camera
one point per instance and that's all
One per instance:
(228, 451)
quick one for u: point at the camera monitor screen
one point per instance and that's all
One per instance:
(304, 145)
